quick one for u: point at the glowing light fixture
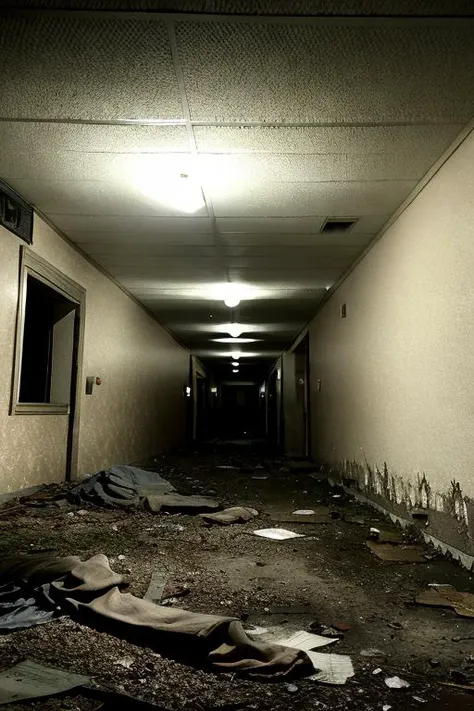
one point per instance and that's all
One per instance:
(233, 295)
(234, 329)
(235, 340)
(165, 183)
(235, 363)
(235, 370)
(235, 355)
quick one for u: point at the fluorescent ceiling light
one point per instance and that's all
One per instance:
(235, 370)
(235, 355)
(235, 340)
(235, 363)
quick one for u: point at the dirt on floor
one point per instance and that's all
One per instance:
(328, 577)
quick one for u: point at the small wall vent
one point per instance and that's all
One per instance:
(338, 224)
(15, 214)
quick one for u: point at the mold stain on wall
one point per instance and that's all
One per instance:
(449, 514)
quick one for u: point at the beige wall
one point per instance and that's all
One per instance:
(139, 408)
(398, 372)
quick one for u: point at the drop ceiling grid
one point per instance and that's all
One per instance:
(268, 237)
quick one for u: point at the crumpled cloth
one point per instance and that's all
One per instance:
(131, 487)
(91, 590)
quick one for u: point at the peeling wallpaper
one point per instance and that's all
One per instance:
(139, 409)
(396, 409)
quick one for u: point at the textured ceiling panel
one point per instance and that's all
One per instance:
(152, 239)
(131, 170)
(132, 251)
(69, 67)
(54, 137)
(303, 199)
(292, 73)
(286, 278)
(263, 7)
(90, 228)
(92, 198)
(426, 141)
(273, 226)
(259, 169)
(335, 241)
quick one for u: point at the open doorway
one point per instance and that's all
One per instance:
(48, 350)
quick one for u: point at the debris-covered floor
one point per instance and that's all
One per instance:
(327, 579)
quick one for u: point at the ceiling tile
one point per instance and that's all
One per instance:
(230, 169)
(240, 72)
(88, 68)
(53, 138)
(268, 7)
(304, 199)
(131, 170)
(89, 228)
(94, 198)
(271, 227)
(426, 142)
(350, 240)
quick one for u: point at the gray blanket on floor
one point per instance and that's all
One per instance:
(92, 590)
(130, 487)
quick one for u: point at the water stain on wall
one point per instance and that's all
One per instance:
(447, 515)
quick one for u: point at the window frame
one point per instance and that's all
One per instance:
(37, 267)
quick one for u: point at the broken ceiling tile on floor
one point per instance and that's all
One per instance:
(447, 596)
(397, 552)
(277, 534)
(29, 680)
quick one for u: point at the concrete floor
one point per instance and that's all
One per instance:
(327, 577)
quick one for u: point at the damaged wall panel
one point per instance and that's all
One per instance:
(396, 411)
(138, 409)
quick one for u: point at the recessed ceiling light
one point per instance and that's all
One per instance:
(235, 363)
(235, 370)
(235, 355)
(235, 340)
(234, 329)
(233, 295)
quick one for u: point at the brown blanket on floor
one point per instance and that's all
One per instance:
(93, 590)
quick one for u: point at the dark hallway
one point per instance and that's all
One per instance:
(236, 372)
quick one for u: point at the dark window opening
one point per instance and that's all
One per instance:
(48, 345)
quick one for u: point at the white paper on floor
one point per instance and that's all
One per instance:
(332, 668)
(306, 641)
(29, 680)
(303, 512)
(277, 534)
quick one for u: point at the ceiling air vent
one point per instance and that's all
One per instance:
(338, 224)
(15, 214)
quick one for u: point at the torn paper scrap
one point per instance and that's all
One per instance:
(394, 682)
(277, 534)
(306, 641)
(29, 680)
(332, 668)
(156, 587)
